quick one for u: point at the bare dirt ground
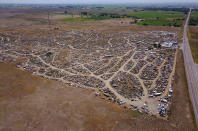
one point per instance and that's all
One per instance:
(181, 101)
(29, 102)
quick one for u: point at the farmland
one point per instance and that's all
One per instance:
(160, 18)
(194, 19)
(153, 18)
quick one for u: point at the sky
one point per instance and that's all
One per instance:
(93, 1)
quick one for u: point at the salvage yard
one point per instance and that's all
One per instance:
(193, 40)
(103, 64)
(91, 75)
(48, 104)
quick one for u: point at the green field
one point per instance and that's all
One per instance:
(160, 18)
(160, 14)
(194, 19)
(84, 18)
(154, 18)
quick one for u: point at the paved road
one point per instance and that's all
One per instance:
(191, 70)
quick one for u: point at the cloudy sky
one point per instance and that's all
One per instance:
(94, 1)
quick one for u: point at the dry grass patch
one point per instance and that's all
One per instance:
(193, 40)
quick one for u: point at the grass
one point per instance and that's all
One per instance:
(135, 114)
(160, 18)
(154, 18)
(194, 19)
(180, 35)
(160, 14)
(161, 22)
(193, 40)
(194, 49)
(84, 18)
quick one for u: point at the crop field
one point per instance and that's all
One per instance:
(153, 18)
(160, 14)
(193, 39)
(194, 19)
(160, 18)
